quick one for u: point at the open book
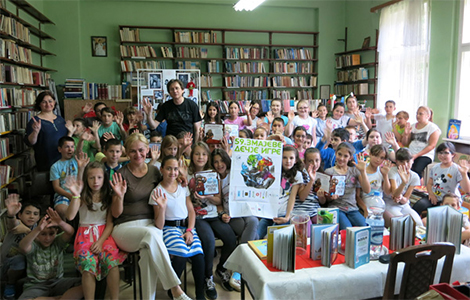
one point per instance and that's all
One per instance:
(284, 249)
(444, 224)
(332, 184)
(324, 243)
(207, 183)
(402, 232)
(271, 230)
(357, 246)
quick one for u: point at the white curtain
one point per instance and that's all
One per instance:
(403, 55)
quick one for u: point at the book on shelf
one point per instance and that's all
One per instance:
(285, 53)
(327, 215)
(453, 132)
(324, 243)
(188, 65)
(294, 81)
(357, 246)
(260, 247)
(191, 52)
(213, 133)
(3, 209)
(129, 35)
(5, 174)
(133, 66)
(245, 67)
(247, 81)
(332, 184)
(246, 53)
(402, 232)
(348, 60)
(357, 89)
(207, 183)
(353, 75)
(444, 224)
(284, 241)
(195, 37)
(271, 230)
(293, 67)
(246, 95)
(167, 52)
(137, 51)
(213, 66)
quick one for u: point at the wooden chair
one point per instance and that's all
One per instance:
(419, 270)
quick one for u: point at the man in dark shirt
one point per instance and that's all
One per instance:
(181, 114)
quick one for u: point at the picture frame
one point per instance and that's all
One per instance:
(155, 81)
(99, 46)
(185, 78)
(366, 43)
(325, 91)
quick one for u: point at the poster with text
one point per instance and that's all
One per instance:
(255, 178)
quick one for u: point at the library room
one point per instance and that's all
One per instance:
(314, 147)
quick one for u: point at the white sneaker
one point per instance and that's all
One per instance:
(183, 296)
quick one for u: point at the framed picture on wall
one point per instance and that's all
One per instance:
(99, 46)
(155, 81)
(185, 78)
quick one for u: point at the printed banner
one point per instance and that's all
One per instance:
(255, 178)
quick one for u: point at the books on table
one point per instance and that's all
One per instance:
(444, 224)
(284, 248)
(324, 243)
(207, 183)
(260, 247)
(332, 184)
(402, 232)
(271, 230)
(327, 215)
(357, 246)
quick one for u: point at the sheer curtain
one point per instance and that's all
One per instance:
(403, 55)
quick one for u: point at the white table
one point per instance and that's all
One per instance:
(337, 282)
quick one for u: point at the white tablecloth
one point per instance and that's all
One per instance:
(337, 282)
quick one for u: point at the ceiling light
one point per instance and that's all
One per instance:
(247, 5)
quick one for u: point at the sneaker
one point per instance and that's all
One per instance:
(183, 296)
(236, 281)
(209, 288)
(9, 292)
(225, 278)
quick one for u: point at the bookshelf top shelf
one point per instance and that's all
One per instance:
(216, 44)
(216, 29)
(34, 30)
(33, 12)
(357, 50)
(358, 66)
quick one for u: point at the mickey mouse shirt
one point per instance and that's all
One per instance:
(445, 180)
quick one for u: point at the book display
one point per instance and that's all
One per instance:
(357, 73)
(402, 232)
(235, 64)
(22, 77)
(444, 224)
(357, 246)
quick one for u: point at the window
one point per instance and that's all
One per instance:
(462, 103)
(404, 55)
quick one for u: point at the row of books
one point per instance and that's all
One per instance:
(15, 120)
(292, 53)
(185, 52)
(10, 49)
(16, 166)
(206, 81)
(293, 67)
(213, 66)
(353, 75)
(294, 81)
(15, 28)
(3, 209)
(248, 67)
(195, 37)
(10, 144)
(357, 89)
(188, 65)
(247, 81)
(17, 97)
(104, 91)
(246, 95)
(129, 35)
(246, 53)
(348, 60)
(132, 66)
(137, 51)
(20, 75)
(74, 88)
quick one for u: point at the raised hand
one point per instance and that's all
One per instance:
(314, 114)
(147, 106)
(36, 125)
(463, 166)
(119, 118)
(107, 136)
(82, 160)
(118, 185)
(224, 144)
(358, 118)
(361, 162)
(368, 112)
(154, 152)
(404, 174)
(70, 127)
(390, 138)
(328, 126)
(54, 217)
(87, 108)
(96, 126)
(260, 122)
(311, 172)
(187, 139)
(159, 197)
(248, 106)
(270, 117)
(291, 115)
(74, 185)
(385, 167)
(44, 223)
(13, 205)
(407, 130)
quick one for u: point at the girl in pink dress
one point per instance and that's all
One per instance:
(95, 252)
(235, 119)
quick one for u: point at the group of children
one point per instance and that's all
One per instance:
(371, 159)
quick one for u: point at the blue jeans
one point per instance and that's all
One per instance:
(351, 218)
(263, 226)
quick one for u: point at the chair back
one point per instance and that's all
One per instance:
(419, 270)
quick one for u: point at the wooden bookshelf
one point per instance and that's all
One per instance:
(356, 75)
(218, 41)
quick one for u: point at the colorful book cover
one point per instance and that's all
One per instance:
(260, 247)
(207, 183)
(358, 246)
(213, 133)
(231, 130)
(327, 215)
(454, 129)
(330, 245)
(332, 184)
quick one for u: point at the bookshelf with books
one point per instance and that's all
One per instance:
(235, 64)
(357, 73)
(22, 77)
